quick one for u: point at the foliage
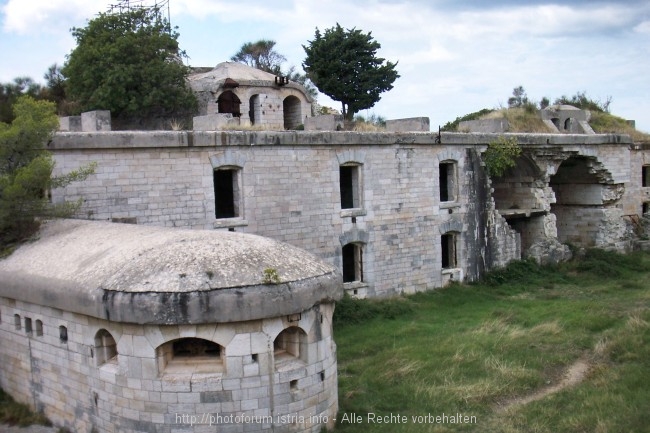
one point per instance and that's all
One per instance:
(26, 170)
(453, 126)
(129, 63)
(501, 155)
(351, 310)
(260, 55)
(270, 276)
(14, 413)
(605, 123)
(343, 65)
(473, 349)
(582, 101)
(10, 92)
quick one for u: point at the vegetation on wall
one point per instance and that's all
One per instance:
(343, 64)
(500, 155)
(26, 171)
(129, 63)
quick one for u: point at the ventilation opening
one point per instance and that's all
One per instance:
(293, 385)
(447, 175)
(290, 345)
(226, 193)
(350, 187)
(449, 255)
(190, 355)
(352, 263)
(63, 334)
(105, 347)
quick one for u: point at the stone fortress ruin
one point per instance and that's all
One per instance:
(124, 328)
(387, 212)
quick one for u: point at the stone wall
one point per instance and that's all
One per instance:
(268, 389)
(288, 188)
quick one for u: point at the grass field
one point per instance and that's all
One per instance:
(478, 350)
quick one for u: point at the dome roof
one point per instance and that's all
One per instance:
(118, 264)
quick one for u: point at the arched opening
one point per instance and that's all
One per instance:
(520, 197)
(556, 122)
(292, 112)
(105, 348)
(190, 355)
(583, 194)
(228, 102)
(290, 344)
(567, 124)
(254, 110)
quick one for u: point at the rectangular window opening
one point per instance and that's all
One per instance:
(226, 193)
(646, 207)
(352, 263)
(645, 176)
(28, 325)
(39, 328)
(349, 183)
(447, 173)
(448, 246)
(17, 322)
(63, 334)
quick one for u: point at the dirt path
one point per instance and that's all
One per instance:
(572, 376)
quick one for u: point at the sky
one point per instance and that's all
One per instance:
(454, 57)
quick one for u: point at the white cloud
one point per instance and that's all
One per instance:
(48, 16)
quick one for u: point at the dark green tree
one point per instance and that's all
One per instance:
(129, 63)
(343, 64)
(10, 92)
(26, 170)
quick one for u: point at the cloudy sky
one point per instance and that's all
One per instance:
(455, 57)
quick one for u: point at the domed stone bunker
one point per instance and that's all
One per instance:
(113, 327)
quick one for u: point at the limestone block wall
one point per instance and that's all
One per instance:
(292, 193)
(287, 186)
(257, 384)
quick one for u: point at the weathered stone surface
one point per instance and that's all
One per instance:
(144, 274)
(419, 124)
(548, 252)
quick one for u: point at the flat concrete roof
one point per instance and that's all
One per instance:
(146, 274)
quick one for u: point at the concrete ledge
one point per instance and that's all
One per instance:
(176, 139)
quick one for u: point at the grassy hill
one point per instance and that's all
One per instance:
(573, 340)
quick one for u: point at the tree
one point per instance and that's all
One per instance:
(260, 55)
(26, 170)
(10, 92)
(343, 65)
(518, 98)
(129, 63)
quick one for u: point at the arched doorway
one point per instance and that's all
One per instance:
(228, 102)
(292, 112)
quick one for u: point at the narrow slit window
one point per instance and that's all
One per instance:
(226, 193)
(63, 334)
(645, 176)
(350, 187)
(28, 325)
(447, 173)
(39, 328)
(352, 263)
(17, 322)
(449, 253)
